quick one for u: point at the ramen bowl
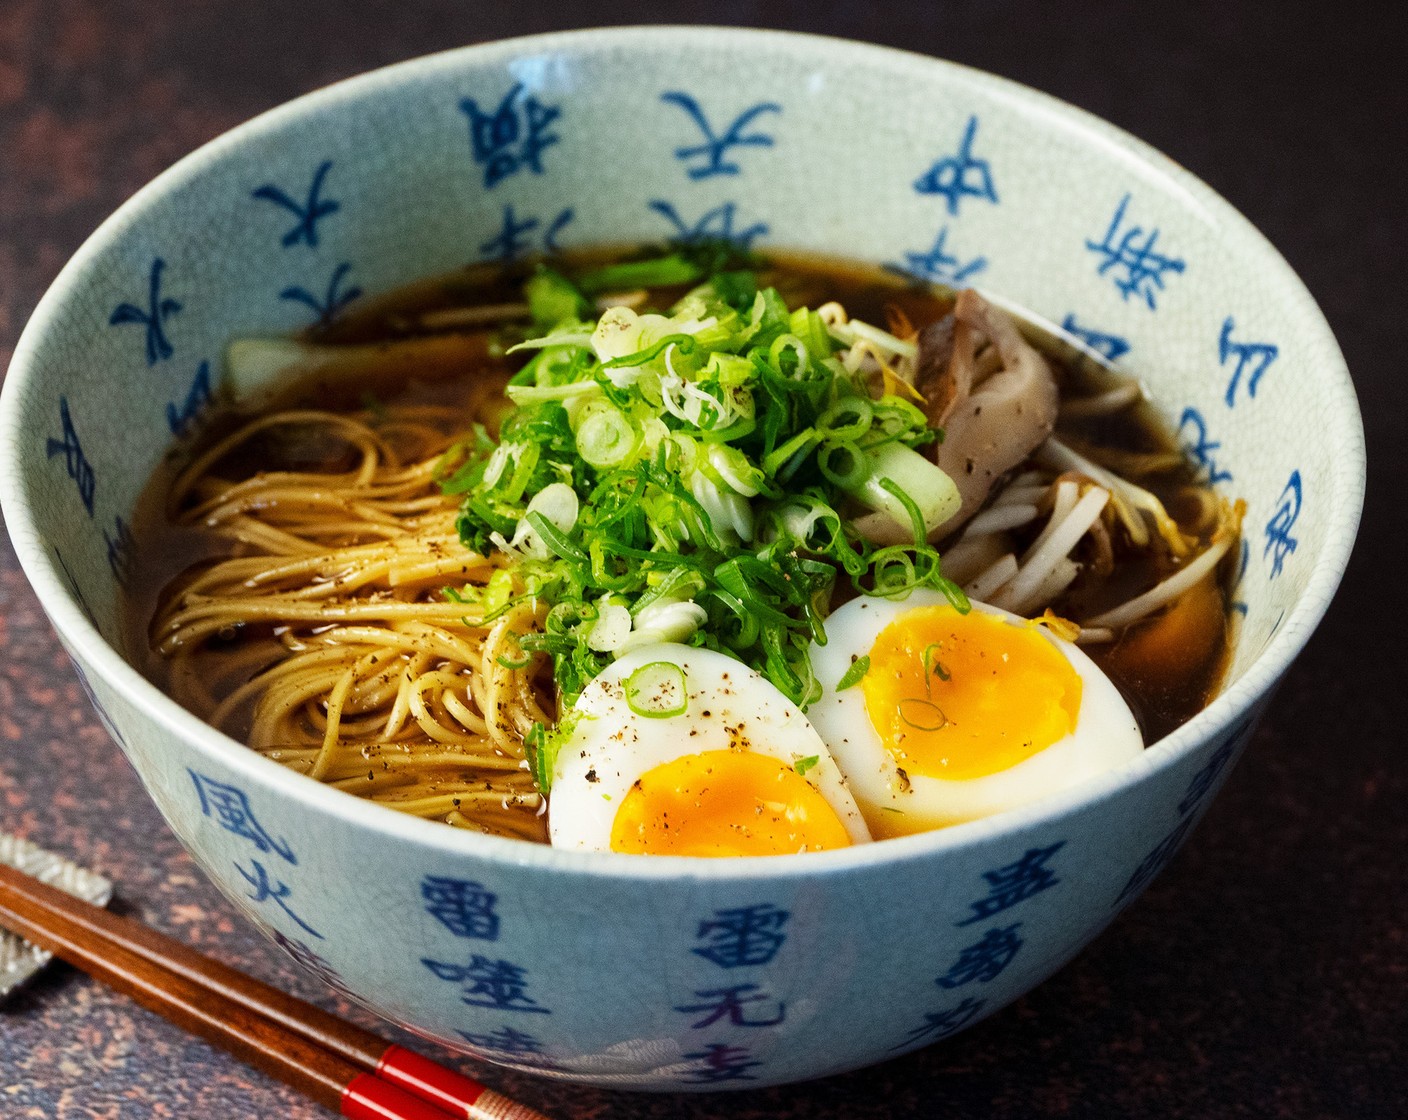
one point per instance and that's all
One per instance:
(672, 973)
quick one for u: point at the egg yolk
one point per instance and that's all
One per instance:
(725, 803)
(960, 696)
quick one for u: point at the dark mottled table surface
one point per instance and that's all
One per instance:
(1264, 974)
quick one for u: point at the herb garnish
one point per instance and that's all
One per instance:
(684, 476)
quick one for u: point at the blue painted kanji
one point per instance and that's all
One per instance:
(1251, 358)
(511, 136)
(269, 889)
(983, 960)
(1238, 603)
(721, 1062)
(179, 420)
(333, 301)
(304, 955)
(1203, 780)
(159, 309)
(1111, 347)
(499, 984)
(1200, 447)
(228, 806)
(462, 906)
(732, 1004)
(121, 546)
(1138, 270)
(1279, 542)
(103, 717)
(748, 935)
(1015, 882)
(712, 153)
(75, 461)
(309, 213)
(1199, 786)
(1156, 860)
(960, 175)
(505, 1042)
(941, 1024)
(716, 225)
(512, 240)
(937, 265)
(77, 591)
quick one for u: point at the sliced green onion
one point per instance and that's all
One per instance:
(525, 461)
(892, 572)
(563, 618)
(925, 484)
(557, 541)
(745, 635)
(533, 394)
(658, 272)
(844, 464)
(846, 419)
(607, 438)
(657, 690)
(557, 504)
(541, 749)
(498, 591)
(933, 667)
(664, 622)
(735, 471)
(553, 298)
(809, 327)
(685, 343)
(895, 416)
(922, 715)
(612, 628)
(916, 518)
(782, 463)
(572, 336)
(956, 596)
(859, 667)
(789, 344)
(640, 478)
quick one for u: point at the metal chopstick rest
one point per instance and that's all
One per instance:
(19, 960)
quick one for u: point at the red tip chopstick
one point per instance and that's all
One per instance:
(340, 1065)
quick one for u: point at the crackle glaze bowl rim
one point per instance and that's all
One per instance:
(147, 204)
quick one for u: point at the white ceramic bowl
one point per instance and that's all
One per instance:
(671, 973)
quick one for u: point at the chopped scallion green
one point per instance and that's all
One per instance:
(657, 691)
(698, 468)
(855, 674)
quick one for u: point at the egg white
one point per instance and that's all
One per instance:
(730, 706)
(1106, 734)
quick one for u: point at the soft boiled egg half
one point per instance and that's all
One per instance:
(946, 717)
(680, 751)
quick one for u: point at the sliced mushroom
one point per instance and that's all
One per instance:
(992, 393)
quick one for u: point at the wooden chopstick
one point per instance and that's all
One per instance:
(342, 1066)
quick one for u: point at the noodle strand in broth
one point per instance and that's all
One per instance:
(348, 663)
